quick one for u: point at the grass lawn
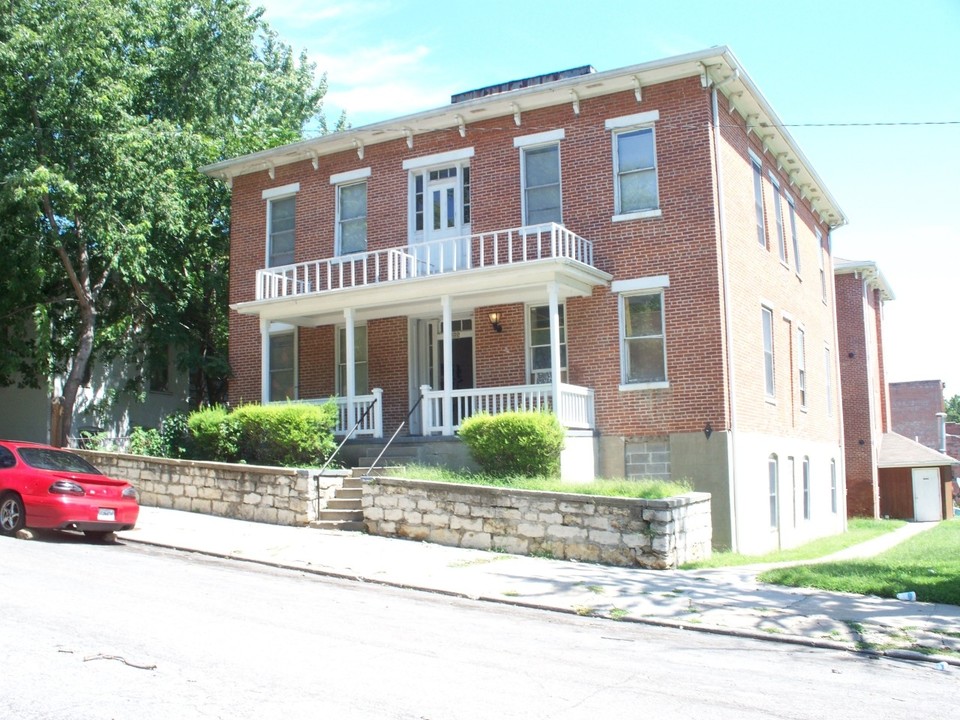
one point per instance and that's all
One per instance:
(928, 563)
(858, 530)
(647, 489)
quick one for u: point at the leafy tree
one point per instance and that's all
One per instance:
(953, 409)
(114, 243)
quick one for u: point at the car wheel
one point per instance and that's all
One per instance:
(12, 515)
(100, 535)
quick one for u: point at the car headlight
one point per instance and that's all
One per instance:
(129, 492)
(66, 487)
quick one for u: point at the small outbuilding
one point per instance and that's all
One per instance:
(914, 480)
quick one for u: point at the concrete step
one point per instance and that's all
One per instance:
(339, 503)
(377, 471)
(341, 515)
(352, 483)
(347, 526)
(348, 493)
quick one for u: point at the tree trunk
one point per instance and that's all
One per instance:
(78, 368)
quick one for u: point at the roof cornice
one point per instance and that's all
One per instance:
(716, 66)
(870, 271)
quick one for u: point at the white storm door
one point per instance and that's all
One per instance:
(926, 495)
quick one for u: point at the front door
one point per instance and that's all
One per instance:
(442, 246)
(926, 495)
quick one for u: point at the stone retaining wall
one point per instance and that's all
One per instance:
(617, 531)
(282, 496)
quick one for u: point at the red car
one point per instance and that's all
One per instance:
(45, 487)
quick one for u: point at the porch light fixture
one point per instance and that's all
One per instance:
(708, 430)
(495, 322)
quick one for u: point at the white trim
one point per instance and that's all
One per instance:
(755, 158)
(349, 176)
(653, 282)
(774, 179)
(644, 118)
(438, 158)
(637, 215)
(275, 192)
(539, 138)
(632, 387)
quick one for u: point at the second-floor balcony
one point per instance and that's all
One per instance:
(513, 265)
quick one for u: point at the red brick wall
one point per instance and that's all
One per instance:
(683, 243)
(914, 408)
(861, 428)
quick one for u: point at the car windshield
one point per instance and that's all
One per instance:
(50, 459)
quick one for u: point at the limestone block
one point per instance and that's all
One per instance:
(288, 517)
(201, 506)
(662, 543)
(544, 506)
(495, 526)
(465, 522)
(597, 522)
(582, 551)
(366, 501)
(444, 536)
(618, 556)
(482, 511)
(604, 537)
(636, 540)
(436, 520)
(405, 503)
(387, 501)
(507, 513)
(412, 517)
(265, 514)
(550, 518)
(426, 505)
(476, 540)
(574, 519)
(510, 544)
(414, 532)
(181, 503)
(565, 532)
(665, 528)
(584, 508)
(252, 499)
(461, 509)
(191, 491)
(387, 528)
(653, 515)
(176, 490)
(392, 514)
(530, 530)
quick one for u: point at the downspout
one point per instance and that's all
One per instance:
(942, 426)
(727, 320)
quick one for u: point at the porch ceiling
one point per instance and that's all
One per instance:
(421, 297)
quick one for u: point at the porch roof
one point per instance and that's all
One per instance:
(526, 282)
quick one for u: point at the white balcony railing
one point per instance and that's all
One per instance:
(574, 410)
(439, 257)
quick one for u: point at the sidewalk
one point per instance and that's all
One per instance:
(725, 600)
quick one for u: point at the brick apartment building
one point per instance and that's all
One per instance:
(888, 472)
(644, 250)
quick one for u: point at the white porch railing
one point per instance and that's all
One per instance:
(574, 410)
(497, 248)
(370, 426)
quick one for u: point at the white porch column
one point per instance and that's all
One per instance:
(264, 361)
(555, 363)
(447, 366)
(351, 356)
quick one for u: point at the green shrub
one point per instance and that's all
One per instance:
(286, 435)
(147, 441)
(175, 435)
(515, 443)
(211, 437)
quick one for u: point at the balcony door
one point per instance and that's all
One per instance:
(441, 219)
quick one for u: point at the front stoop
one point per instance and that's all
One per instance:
(344, 511)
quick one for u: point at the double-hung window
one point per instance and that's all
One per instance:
(778, 219)
(823, 273)
(351, 210)
(828, 385)
(643, 341)
(773, 476)
(281, 217)
(806, 488)
(636, 188)
(283, 366)
(540, 176)
(793, 233)
(769, 379)
(758, 199)
(539, 349)
(802, 366)
(361, 376)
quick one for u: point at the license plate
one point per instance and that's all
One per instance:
(106, 514)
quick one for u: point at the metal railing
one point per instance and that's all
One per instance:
(418, 260)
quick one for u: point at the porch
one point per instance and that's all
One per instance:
(575, 408)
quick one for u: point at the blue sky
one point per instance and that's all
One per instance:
(886, 75)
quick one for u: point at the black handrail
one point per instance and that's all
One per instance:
(356, 425)
(394, 436)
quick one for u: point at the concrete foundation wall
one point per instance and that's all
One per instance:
(618, 531)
